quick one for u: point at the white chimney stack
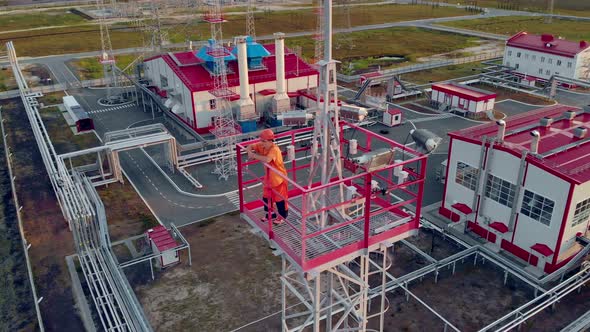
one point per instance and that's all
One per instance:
(246, 105)
(280, 102)
(501, 130)
(535, 142)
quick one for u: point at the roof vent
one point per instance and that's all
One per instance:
(535, 141)
(546, 121)
(548, 45)
(583, 44)
(580, 132)
(547, 37)
(569, 115)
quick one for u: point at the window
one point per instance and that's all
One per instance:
(509, 53)
(517, 65)
(540, 70)
(500, 190)
(212, 104)
(526, 56)
(550, 61)
(559, 62)
(537, 207)
(534, 58)
(547, 72)
(163, 81)
(466, 175)
(582, 212)
(556, 73)
(518, 55)
(542, 59)
(508, 63)
(396, 118)
(569, 64)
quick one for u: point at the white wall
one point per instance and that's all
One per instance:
(530, 231)
(530, 63)
(581, 192)
(467, 153)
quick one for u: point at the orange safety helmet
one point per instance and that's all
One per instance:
(267, 134)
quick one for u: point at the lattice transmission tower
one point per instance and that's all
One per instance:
(225, 127)
(107, 58)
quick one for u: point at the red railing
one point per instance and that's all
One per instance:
(311, 244)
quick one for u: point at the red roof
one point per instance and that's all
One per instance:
(394, 111)
(161, 238)
(267, 92)
(197, 78)
(463, 208)
(547, 44)
(542, 249)
(187, 58)
(500, 227)
(571, 163)
(464, 91)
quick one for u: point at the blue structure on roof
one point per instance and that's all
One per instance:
(206, 54)
(256, 53)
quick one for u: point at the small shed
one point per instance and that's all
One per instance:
(470, 101)
(392, 117)
(163, 244)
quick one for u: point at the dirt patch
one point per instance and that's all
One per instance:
(522, 97)
(234, 279)
(44, 225)
(127, 214)
(37, 75)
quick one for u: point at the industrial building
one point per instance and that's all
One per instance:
(471, 102)
(539, 57)
(261, 78)
(523, 184)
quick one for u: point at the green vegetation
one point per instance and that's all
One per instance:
(38, 19)
(90, 68)
(62, 137)
(372, 45)
(86, 38)
(509, 25)
(443, 73)
(563, 7)
(7, 81)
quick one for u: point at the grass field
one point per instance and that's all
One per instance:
(87, 38)
(370, 45)
(443, 73)
(573, 30)
(39, 19)
(7, 81)
(90, 68)
(563, 7)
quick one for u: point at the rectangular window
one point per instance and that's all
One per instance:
(212, 104)
(559, 62)
(508, 63)
(509, 53)
(569, 65)
(500, 190)
(163, 81)
(582, 213)
(542, 59)
(547, 72)
(534, 58)
(466, 175)
(518, 55)
(540, 70)
(517, 66)
(526, 56)
(550, 61)
(537, 207)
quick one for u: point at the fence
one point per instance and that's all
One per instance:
(388, 73)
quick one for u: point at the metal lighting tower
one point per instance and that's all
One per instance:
(250, 28)
(107, 59)
(319, 35)
(225, 128)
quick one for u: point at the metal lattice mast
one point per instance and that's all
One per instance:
(225, 128)
(107, 58)
(550, 5)
(250, 28)
(319, 35)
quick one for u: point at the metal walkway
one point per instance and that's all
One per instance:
(116, 304)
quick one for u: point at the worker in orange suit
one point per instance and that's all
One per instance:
(274, 186)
